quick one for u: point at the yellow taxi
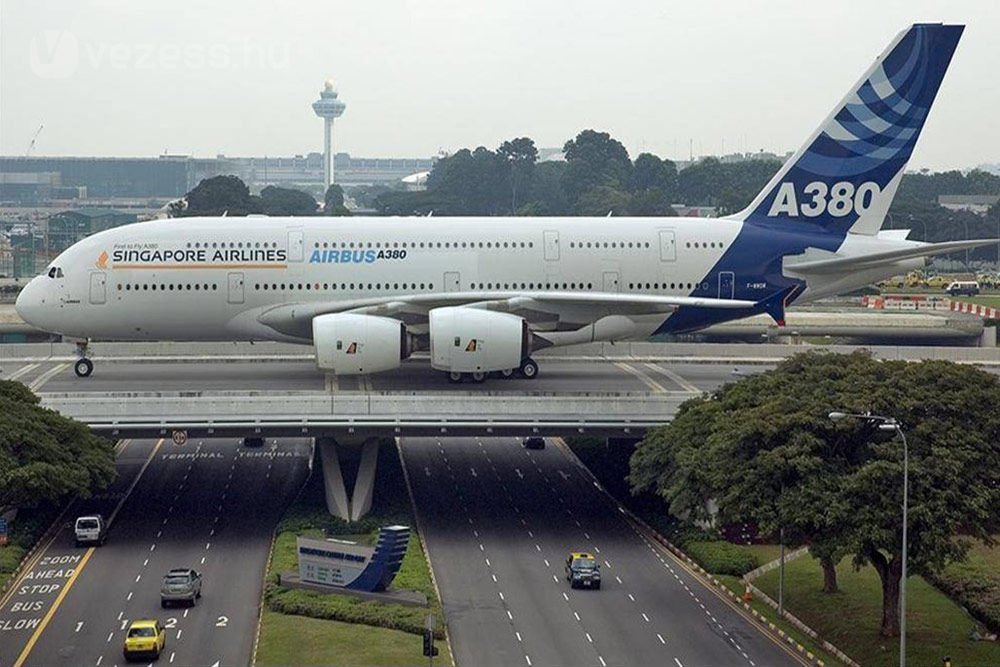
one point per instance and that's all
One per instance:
(145, 639)
(583, 570)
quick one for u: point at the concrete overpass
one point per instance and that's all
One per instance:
(270, 390)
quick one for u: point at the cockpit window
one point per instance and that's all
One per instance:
(55, 272)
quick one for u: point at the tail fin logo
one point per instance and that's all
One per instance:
(845, 175)
(102, 260)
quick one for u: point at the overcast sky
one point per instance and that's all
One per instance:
(140, 77)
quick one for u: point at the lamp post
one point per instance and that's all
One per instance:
(890, 424)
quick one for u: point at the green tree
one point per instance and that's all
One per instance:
(520, 155)
(652, 202)
(286, 201)
(594, 159)
(764, 450)
(45, 457)
(651, 173)
(475, 180)
(546, 195)
(603, 200)
(333, 201)
(217, 196)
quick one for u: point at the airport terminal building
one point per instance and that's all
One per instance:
(29, 180)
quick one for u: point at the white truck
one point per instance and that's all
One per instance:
(90, 529)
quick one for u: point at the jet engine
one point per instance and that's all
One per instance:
(350, 344)
(470, 340)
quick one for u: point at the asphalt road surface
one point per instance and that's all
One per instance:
(210, 505)
(499, 521)
(215, 374)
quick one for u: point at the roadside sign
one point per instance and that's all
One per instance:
(430, 650)
(179, 437)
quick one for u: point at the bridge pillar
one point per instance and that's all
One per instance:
(338, 457)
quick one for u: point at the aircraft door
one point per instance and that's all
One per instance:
(668, 245)
(726, 284)
(98, 287)
(611, 281)
(235, 288)
(551, 246)
(452, 281)
(295, 245)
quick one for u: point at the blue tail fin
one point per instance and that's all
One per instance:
(845, 176)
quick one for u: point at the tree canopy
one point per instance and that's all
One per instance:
(764, 450)
(286, 201)
(333, 201)
(45, 457)
(216, 196)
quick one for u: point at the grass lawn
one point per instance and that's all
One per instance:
(936, 626)
(735, 584)
(297, 640)
(343, 630)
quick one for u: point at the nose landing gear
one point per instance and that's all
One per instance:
(83, 366)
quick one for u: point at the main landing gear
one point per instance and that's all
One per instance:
(528, 370)
(83, 366)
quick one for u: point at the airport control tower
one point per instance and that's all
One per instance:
(328, 107)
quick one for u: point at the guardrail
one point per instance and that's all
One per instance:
(289, 414)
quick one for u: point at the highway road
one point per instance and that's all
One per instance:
(498, 521)
(210, 505)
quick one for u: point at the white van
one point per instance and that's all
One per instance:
(967, 287)
(90, 529)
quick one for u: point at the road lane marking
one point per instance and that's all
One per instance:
(52, 610)
(676, 377)
(46, 376)
(643, 377)
(662, 640)
(23, 370)
(128, 492)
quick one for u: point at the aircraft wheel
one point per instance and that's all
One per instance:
(84, 367)
(529, 369)
(507, 373)
(454, 377)
(479, 376)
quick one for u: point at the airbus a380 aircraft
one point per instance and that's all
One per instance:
(482, 293)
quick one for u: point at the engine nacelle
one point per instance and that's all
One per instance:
(350, 344)
(470, 340)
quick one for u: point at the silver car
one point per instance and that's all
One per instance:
(180, 585)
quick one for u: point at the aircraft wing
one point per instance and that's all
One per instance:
(870, 260)
(539, 308)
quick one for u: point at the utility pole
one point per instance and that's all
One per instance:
(781, 573)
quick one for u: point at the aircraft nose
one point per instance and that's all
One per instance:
(30, 303)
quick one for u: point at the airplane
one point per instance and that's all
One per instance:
(481, 294)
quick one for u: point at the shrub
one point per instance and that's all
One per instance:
(720, 557)
(976, 589)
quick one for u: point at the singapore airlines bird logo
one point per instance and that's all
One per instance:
(102, 260)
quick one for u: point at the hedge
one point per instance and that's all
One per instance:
(721, 557)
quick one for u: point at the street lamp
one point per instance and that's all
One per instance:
(890, 424)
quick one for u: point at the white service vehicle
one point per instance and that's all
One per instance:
(90, 529)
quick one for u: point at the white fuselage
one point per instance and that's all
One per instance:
(213, 278)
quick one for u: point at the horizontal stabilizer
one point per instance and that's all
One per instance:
(858, 262)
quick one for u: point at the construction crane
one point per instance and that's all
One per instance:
(34, 138)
